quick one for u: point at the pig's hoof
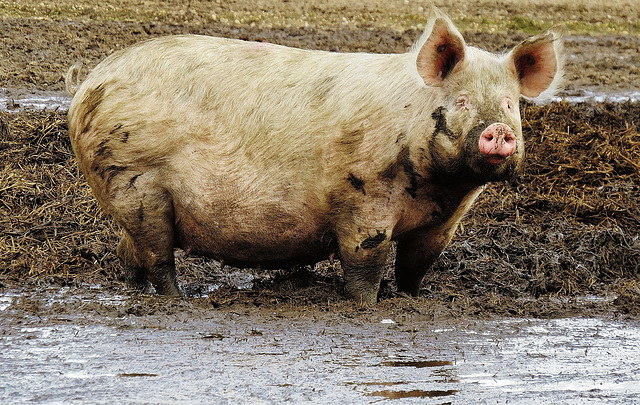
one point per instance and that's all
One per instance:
(364, 297)
(168, 290)
(140, 288)
(163, 278)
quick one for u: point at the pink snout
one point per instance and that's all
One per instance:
(497, 143)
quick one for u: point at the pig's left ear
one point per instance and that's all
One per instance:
(537, 62)
(441, 51)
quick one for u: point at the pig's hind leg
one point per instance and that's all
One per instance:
(146, 247)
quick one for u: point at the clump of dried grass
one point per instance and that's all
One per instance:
(50, 225)
(570, 224)
(585, 162)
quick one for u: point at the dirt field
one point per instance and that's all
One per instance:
(41, 39)
(568, 228)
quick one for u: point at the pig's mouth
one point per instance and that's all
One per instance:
(494, 160)
(494, 153)
(490, 153)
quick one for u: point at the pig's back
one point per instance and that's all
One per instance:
(237, 91)
(224, 126)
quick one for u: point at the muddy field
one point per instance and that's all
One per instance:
(561, 241)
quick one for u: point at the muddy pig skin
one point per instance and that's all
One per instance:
(263, 155)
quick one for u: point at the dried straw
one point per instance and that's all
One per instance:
(568, 226)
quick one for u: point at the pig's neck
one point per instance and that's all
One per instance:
(435, 205)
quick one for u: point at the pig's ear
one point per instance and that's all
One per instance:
(441, 51)
(538, 63)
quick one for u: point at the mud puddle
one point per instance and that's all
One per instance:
(68, 346)
(15, 101)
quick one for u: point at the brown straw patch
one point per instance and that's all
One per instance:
(568, 226)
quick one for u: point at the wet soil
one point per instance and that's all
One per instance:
(568, 227)
(36, 52)
(560, 245)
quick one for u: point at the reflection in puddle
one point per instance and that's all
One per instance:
(412, 394)
(421, 378)
(417, 363)
(383, 384)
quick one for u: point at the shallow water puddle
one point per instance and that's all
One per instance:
(218, 356)
(52, 101)
(62, 102)
(412, 394)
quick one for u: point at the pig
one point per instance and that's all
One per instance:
(257, 154)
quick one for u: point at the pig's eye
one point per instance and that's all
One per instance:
(507, 104)
(462, 102)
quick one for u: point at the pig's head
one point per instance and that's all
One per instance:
(477, 128)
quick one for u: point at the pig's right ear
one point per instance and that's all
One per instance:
(441, 51)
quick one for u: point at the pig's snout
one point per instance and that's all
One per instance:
(497, 142)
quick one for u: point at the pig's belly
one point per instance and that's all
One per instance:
(270, 238)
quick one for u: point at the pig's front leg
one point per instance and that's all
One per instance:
(363, 254)
(416, 253)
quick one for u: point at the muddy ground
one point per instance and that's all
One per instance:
(535, 247)
(560, 244)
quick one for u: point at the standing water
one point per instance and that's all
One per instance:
(62, 101)
(108, 350)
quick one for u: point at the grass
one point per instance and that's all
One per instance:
(577, 17)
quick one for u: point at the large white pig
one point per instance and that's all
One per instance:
(259, 154)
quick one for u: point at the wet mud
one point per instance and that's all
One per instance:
(537, 298)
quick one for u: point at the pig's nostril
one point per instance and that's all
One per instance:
(497, 142)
